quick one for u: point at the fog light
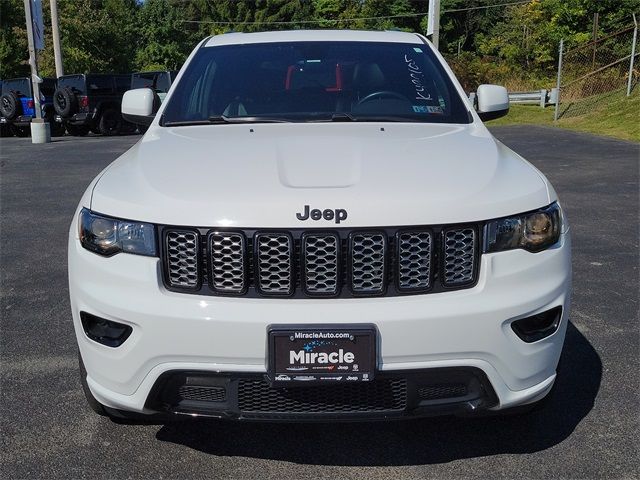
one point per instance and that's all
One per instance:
(106, 332)
(537, 327)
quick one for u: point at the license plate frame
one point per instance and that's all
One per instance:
(359, 340)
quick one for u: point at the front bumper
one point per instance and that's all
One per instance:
(174, 332)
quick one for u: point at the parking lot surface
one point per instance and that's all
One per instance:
(588, 429)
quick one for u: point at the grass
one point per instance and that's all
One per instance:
(614, 115)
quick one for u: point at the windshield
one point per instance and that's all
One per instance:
(315, 81)
(143, 80)
(75, 82)
(20, 86)
(158, 81)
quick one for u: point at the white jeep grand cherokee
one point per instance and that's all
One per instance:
(318, 226)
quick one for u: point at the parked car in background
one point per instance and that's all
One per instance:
(158, 81)
(17, 106)
(91, 102)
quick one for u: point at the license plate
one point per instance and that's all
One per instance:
(321, 354)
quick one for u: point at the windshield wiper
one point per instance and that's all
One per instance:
(183, 123)
(343, 117)
(349, 117)
(245, 119)
(223, 119)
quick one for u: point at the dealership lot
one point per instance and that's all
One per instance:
(588, 429)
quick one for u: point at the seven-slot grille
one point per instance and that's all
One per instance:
(321, 264)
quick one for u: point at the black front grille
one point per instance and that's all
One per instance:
(256, 396)
(312, 263)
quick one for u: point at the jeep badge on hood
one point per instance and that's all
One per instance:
(338, 214)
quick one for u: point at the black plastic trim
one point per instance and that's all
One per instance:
(540, 334)
(163, 397)
(113, 342)
(487, 116)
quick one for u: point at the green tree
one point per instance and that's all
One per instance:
(460, 25)
(13, 40)
(270, 11)
(403, 12)
(164, 41)
(96, 36)
(335, 13)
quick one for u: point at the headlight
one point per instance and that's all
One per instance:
(108, 236)
(533, 231)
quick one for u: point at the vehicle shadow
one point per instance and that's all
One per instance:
(418, 442)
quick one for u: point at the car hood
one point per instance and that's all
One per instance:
(261, 175)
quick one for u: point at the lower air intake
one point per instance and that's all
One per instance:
(437, 392)
(256, 396)
(202, 394)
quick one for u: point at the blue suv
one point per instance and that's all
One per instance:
(17, 106)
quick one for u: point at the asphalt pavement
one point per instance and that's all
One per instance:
(588, 429)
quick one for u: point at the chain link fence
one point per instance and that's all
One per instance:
(594, 72)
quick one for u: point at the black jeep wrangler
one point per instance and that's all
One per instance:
(92, 102)
(158, 81)
(17, 106)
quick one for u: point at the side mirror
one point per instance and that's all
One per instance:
(139, 106)
(492, 102)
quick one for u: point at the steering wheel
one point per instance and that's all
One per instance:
(382, 93)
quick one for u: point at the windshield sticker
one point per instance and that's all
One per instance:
(427, 109)
(417, 78)
(416, 49)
